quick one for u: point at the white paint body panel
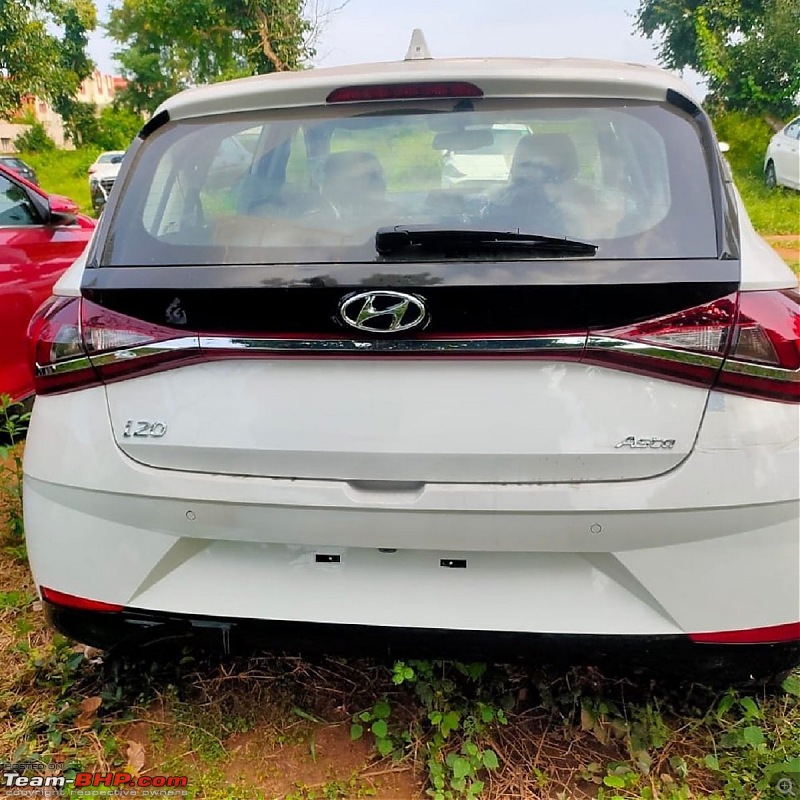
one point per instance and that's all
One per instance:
(762, 267)
(434, 420)
(498, 77)
(636, 557)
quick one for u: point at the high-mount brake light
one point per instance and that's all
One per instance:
(75, 344)
(405, 91)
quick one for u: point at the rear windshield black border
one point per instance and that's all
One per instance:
(540, 272)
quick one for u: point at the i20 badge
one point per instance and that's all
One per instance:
(383, 311)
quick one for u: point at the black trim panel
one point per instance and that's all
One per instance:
(682, 102)
(557, 272)
(674, 654)
(452, 310)
(154, 123)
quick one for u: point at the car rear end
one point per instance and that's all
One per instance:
(269, 423)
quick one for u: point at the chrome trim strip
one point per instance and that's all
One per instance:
(521, 345)
(528, 344)
(762, 371)
(144, 350)
(499, 345)
(648, 350)
(60, 367)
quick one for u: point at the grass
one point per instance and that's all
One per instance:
(65, 172)
(772, 211)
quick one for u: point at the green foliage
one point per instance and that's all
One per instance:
(43, 49)
(771, 211)
(118, 127)
(168, 45)
(748, 137)
(13, 426)
(754, 745)
(460, 704)
(65, 172)
(113, 128)
(35, 139)
(749, 50)
(80, 121)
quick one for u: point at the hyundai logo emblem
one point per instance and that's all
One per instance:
(383, 311)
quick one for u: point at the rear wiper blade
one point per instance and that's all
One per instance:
(405, 239)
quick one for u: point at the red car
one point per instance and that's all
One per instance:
(40, 236)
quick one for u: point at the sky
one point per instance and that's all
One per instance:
(379, 30)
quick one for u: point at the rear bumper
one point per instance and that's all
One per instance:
(138, 629)
(711, 546)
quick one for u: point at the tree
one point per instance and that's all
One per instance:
(168, 45)
(749, 50)
(35, 139)
(43, 50)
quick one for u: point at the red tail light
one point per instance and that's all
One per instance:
(687, 346)
(747, 344)
(73, 601)
(764, 360)
(57, 354)
(75, 343)
(788, 632)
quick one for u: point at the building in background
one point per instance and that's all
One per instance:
(99, 89)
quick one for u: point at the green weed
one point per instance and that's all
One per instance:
(460, 704)
(14, 420)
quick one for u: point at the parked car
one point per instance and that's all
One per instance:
(782, 160)
(102, 174)
(20, 167)
(557, 416)
(40, 236)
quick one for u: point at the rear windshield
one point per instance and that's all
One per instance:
(315, 185)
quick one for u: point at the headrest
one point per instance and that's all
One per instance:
(553, 154)
(354, 169)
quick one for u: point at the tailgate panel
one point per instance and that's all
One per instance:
(407, 420)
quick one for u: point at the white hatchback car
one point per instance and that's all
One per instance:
(782, 160)
(321, 394)
(102, 174)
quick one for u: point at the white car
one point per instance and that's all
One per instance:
(782, 161)
(102, 174)
(325, 396)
